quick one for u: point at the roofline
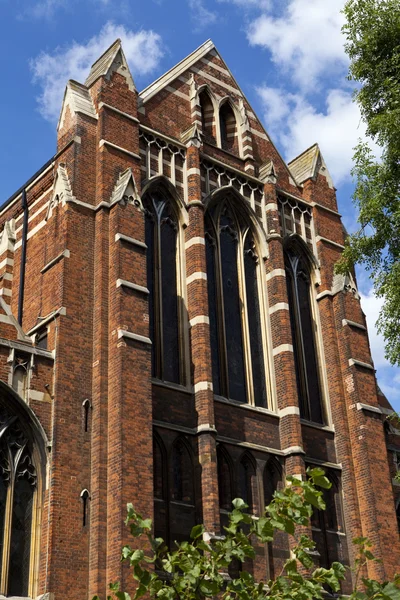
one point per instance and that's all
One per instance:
(207, 46)
(304, 151)
(117, 41)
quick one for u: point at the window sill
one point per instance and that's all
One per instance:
(328, 428)
(258, 409)
(172, 386)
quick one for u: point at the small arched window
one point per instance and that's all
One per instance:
(303, 327)
(181, 507)
(207, 116)
(182, 474)
(162, 282)
(327, 525)
(247, 482)
(228, 129)
(272, 476)
(224, 480)
(18, 488)
(235, 306)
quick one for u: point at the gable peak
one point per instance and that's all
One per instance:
(309, 164)
(111, 61)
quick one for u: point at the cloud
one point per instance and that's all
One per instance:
(305, 40)
(201, 16)
(260, 4)
(51, 71)
(296, 124)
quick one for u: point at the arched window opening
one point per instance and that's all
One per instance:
(247, 482)
(327, 525)
(18, 488)
(303, 334)
(235, 306)
(20, 378)
(182, 474)
(159, 489)
(271, 478)
(207, 117)
(228, 130)
(182, 515)
(162, 282)
(224, 481)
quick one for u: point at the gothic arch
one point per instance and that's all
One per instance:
(23, 460)
(226, 105)
(272, 476)
(247, 481)
(163, 185)
(225, 478)
(208, 113)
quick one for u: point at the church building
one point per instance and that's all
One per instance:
(173, 334)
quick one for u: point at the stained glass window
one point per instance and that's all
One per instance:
(236, 331)
(162, 243)
(18, 482)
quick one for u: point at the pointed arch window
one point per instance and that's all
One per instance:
(207, 116)
(247, 482)
(228, 129)
(18, 489)
(235, 306)
(162, 240)
(272, 476)
(303, 327)
(328, 526)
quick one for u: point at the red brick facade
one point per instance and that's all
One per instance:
(96, 415)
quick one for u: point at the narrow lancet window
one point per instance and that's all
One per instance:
(228, 131)
(162, 243)
(303, 334)
(207, 117)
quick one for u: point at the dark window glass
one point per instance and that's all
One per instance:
(182, 474)
(224, 482)
(326, 524)
(212, 311)
(307, 328)
(149, 233)
(302, 324)
(254, 321)
(232, 310)
(20, 538)
(3, 500)
(169, 302)
(207, 117)
(271, 480)
(246, 473)
(157, 471)
(161, 240)
(227, 127)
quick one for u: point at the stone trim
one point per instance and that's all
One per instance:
(319, 238)
(360, 363)
(289, 410)
(275, 273)
(293, 450)
(120, 112)
(123, 333)
(130, 240)
(119, 148)
(202, 386)
(282, 348)
(278, 306)
(353, 324)
(195, 276)
(7, 261)
(132, 286)
(26, 348)
(65, 254)
(193, 241)
(369, 408)
(57, 313)
(200, 319)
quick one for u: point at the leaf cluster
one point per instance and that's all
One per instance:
(372, 32)
(198, 569)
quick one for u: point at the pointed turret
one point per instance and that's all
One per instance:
(308, 165)
(111, 61)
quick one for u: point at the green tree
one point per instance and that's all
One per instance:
(197, 569)
(372, 32)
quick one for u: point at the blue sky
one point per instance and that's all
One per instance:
(287, 56)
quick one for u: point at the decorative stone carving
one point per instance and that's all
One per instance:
(345, 283)
(125, 190)
(7, 237)
(62, 191)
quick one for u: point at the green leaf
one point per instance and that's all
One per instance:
(197, 531)
(239, 503)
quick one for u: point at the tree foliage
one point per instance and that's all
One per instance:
(198, 569)
(372, 32)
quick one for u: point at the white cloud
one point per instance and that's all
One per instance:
(305, 40)
(296, 125)
(51, 71)
(261, 4)
(201, 16)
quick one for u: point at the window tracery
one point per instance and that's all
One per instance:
(162, 240)
(235, 306)
(18, 486)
